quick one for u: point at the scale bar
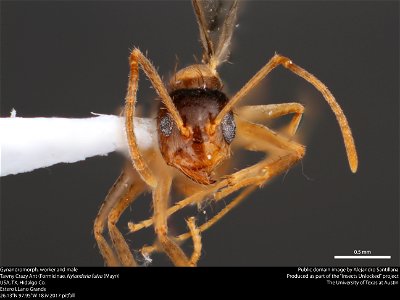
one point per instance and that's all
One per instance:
(362, 257)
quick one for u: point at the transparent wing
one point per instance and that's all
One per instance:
(216, 20)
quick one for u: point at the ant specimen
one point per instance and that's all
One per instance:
(196, 125)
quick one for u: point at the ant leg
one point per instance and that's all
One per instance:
(160, 201)
(119, 189)
(193, 199)
(283, 153)
(215, 190)
(249, 179)
(277, 60)
(259, 173)
(194, 232)
(259, 113)
(238, 199)
(248, 133)
(286, 154)
(121, 247)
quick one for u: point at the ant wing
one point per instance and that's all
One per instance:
(216, 20)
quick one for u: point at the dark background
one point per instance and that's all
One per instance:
(70, 58)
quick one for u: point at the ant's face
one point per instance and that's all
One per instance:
(198, 154)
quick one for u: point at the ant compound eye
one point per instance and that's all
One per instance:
(228, 127)
(166, 125)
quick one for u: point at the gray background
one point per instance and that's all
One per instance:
(68, 59)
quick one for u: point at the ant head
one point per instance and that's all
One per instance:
(199, 152)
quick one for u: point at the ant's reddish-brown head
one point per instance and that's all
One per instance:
(198, 101)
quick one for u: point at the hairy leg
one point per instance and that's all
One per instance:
(287, 153)
(160, 202)
(194, 232)
(260, 113)
(120, 189)
(121, 247)
(258, 176)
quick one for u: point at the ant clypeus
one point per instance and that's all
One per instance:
(196, 125)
